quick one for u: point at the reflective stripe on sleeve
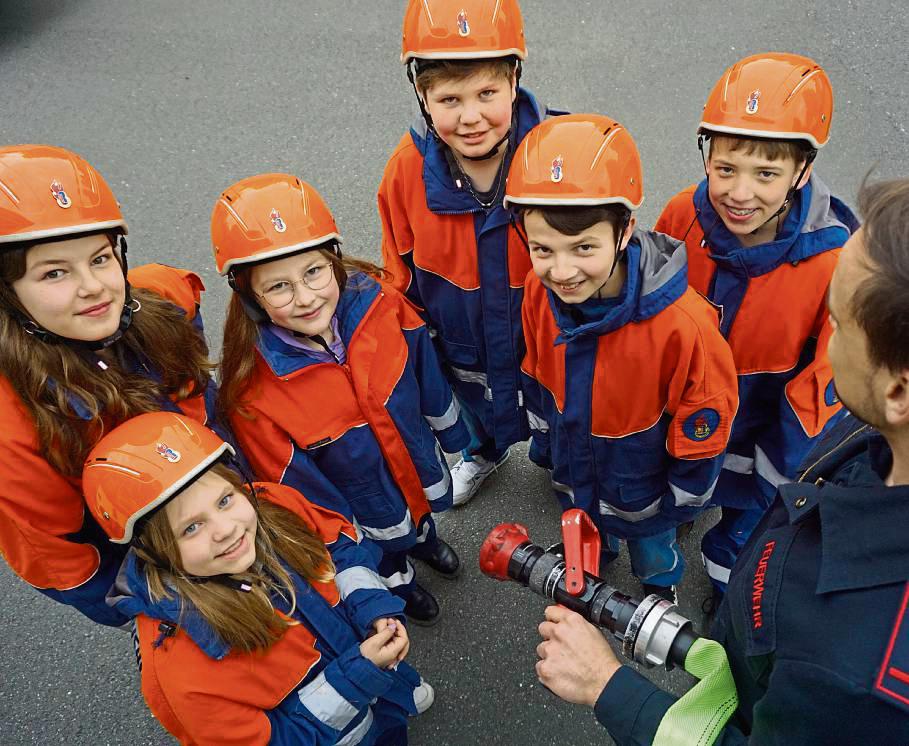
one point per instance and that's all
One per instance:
(684, 498)
(766, 470)
(715, 571)
(738, 464)
(355, 579)
(358, 733)
(473, 376)
(440, 489)
(445, 421)
(632, 516)
(392, 532)
(537, 423)
(325, 703)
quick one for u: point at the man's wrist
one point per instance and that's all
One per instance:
(601, 682)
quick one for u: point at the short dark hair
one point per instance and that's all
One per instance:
(881, 303)
(571, 221)
(796, 151)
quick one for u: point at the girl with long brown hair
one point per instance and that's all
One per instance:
(260, 618)
(82, 347)
(327, 368)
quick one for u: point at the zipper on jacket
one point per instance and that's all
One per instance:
(820, 480)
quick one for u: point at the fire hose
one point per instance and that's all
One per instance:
(651, 631)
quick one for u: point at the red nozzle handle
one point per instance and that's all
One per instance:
(582, 549)
(498, 547)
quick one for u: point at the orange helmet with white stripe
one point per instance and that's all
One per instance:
(48, 192)
(772, 95)
(266, 217)
(140, 465)
(577, 160)
(462, 30)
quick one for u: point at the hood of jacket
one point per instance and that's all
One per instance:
(657, 277)
(817, 222)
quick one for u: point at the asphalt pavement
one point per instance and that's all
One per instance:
(172, 101)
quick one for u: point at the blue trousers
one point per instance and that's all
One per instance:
(655, 560)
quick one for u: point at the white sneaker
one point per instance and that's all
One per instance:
(423, 697)
(467, 476)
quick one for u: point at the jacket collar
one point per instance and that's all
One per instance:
(130, 595)
(442, 195)
(657, 277)
(817, 222)
(353, 305)
(862, 521)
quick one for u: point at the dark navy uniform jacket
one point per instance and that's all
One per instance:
(814, 621)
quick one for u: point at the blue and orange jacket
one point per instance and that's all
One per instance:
(47, 536)
(312, 686)
(773, 307)
(371, 426)
(635, 395)
(465, 266)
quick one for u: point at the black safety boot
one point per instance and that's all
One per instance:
(663, 591)
(442, 559)
(421, 607)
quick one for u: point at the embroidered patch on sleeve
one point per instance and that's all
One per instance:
(700, 429)
(701, 425)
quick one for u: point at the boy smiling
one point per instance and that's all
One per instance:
(447, 241)
(630, 386)
(763, 235)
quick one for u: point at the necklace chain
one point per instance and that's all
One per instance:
(497, 184)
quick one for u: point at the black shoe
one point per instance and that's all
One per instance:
(421, 607)
(442, 559)
(710, 606)
(663, 591)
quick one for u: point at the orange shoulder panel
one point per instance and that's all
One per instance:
(328, 524)
(204, 701)
(519, 265)
(39, 507)
(546, 362)
(780, 313)
(180, 286)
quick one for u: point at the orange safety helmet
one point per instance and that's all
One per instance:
(772, 95)
(266, 217)
(48, 192)
(140, 465)
(462, 30)
(576, 160)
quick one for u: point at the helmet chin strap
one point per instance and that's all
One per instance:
(130, 306)
(809, 159)
(619, 251)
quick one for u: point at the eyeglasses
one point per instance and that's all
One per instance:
(282, 292)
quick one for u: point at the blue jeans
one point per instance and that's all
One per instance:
(481, 443)
(655, 560)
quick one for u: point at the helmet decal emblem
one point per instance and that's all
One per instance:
(165, 451)
(463, 26)
(60, 196)
(752, 106)
(277, 221)
(555, 171)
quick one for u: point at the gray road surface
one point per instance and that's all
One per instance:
(174, 100)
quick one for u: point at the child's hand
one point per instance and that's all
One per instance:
(388, 646)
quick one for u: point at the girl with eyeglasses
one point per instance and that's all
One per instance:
(327, 366)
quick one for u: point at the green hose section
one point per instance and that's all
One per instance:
(700, 715)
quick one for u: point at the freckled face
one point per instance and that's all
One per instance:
(215, 527)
